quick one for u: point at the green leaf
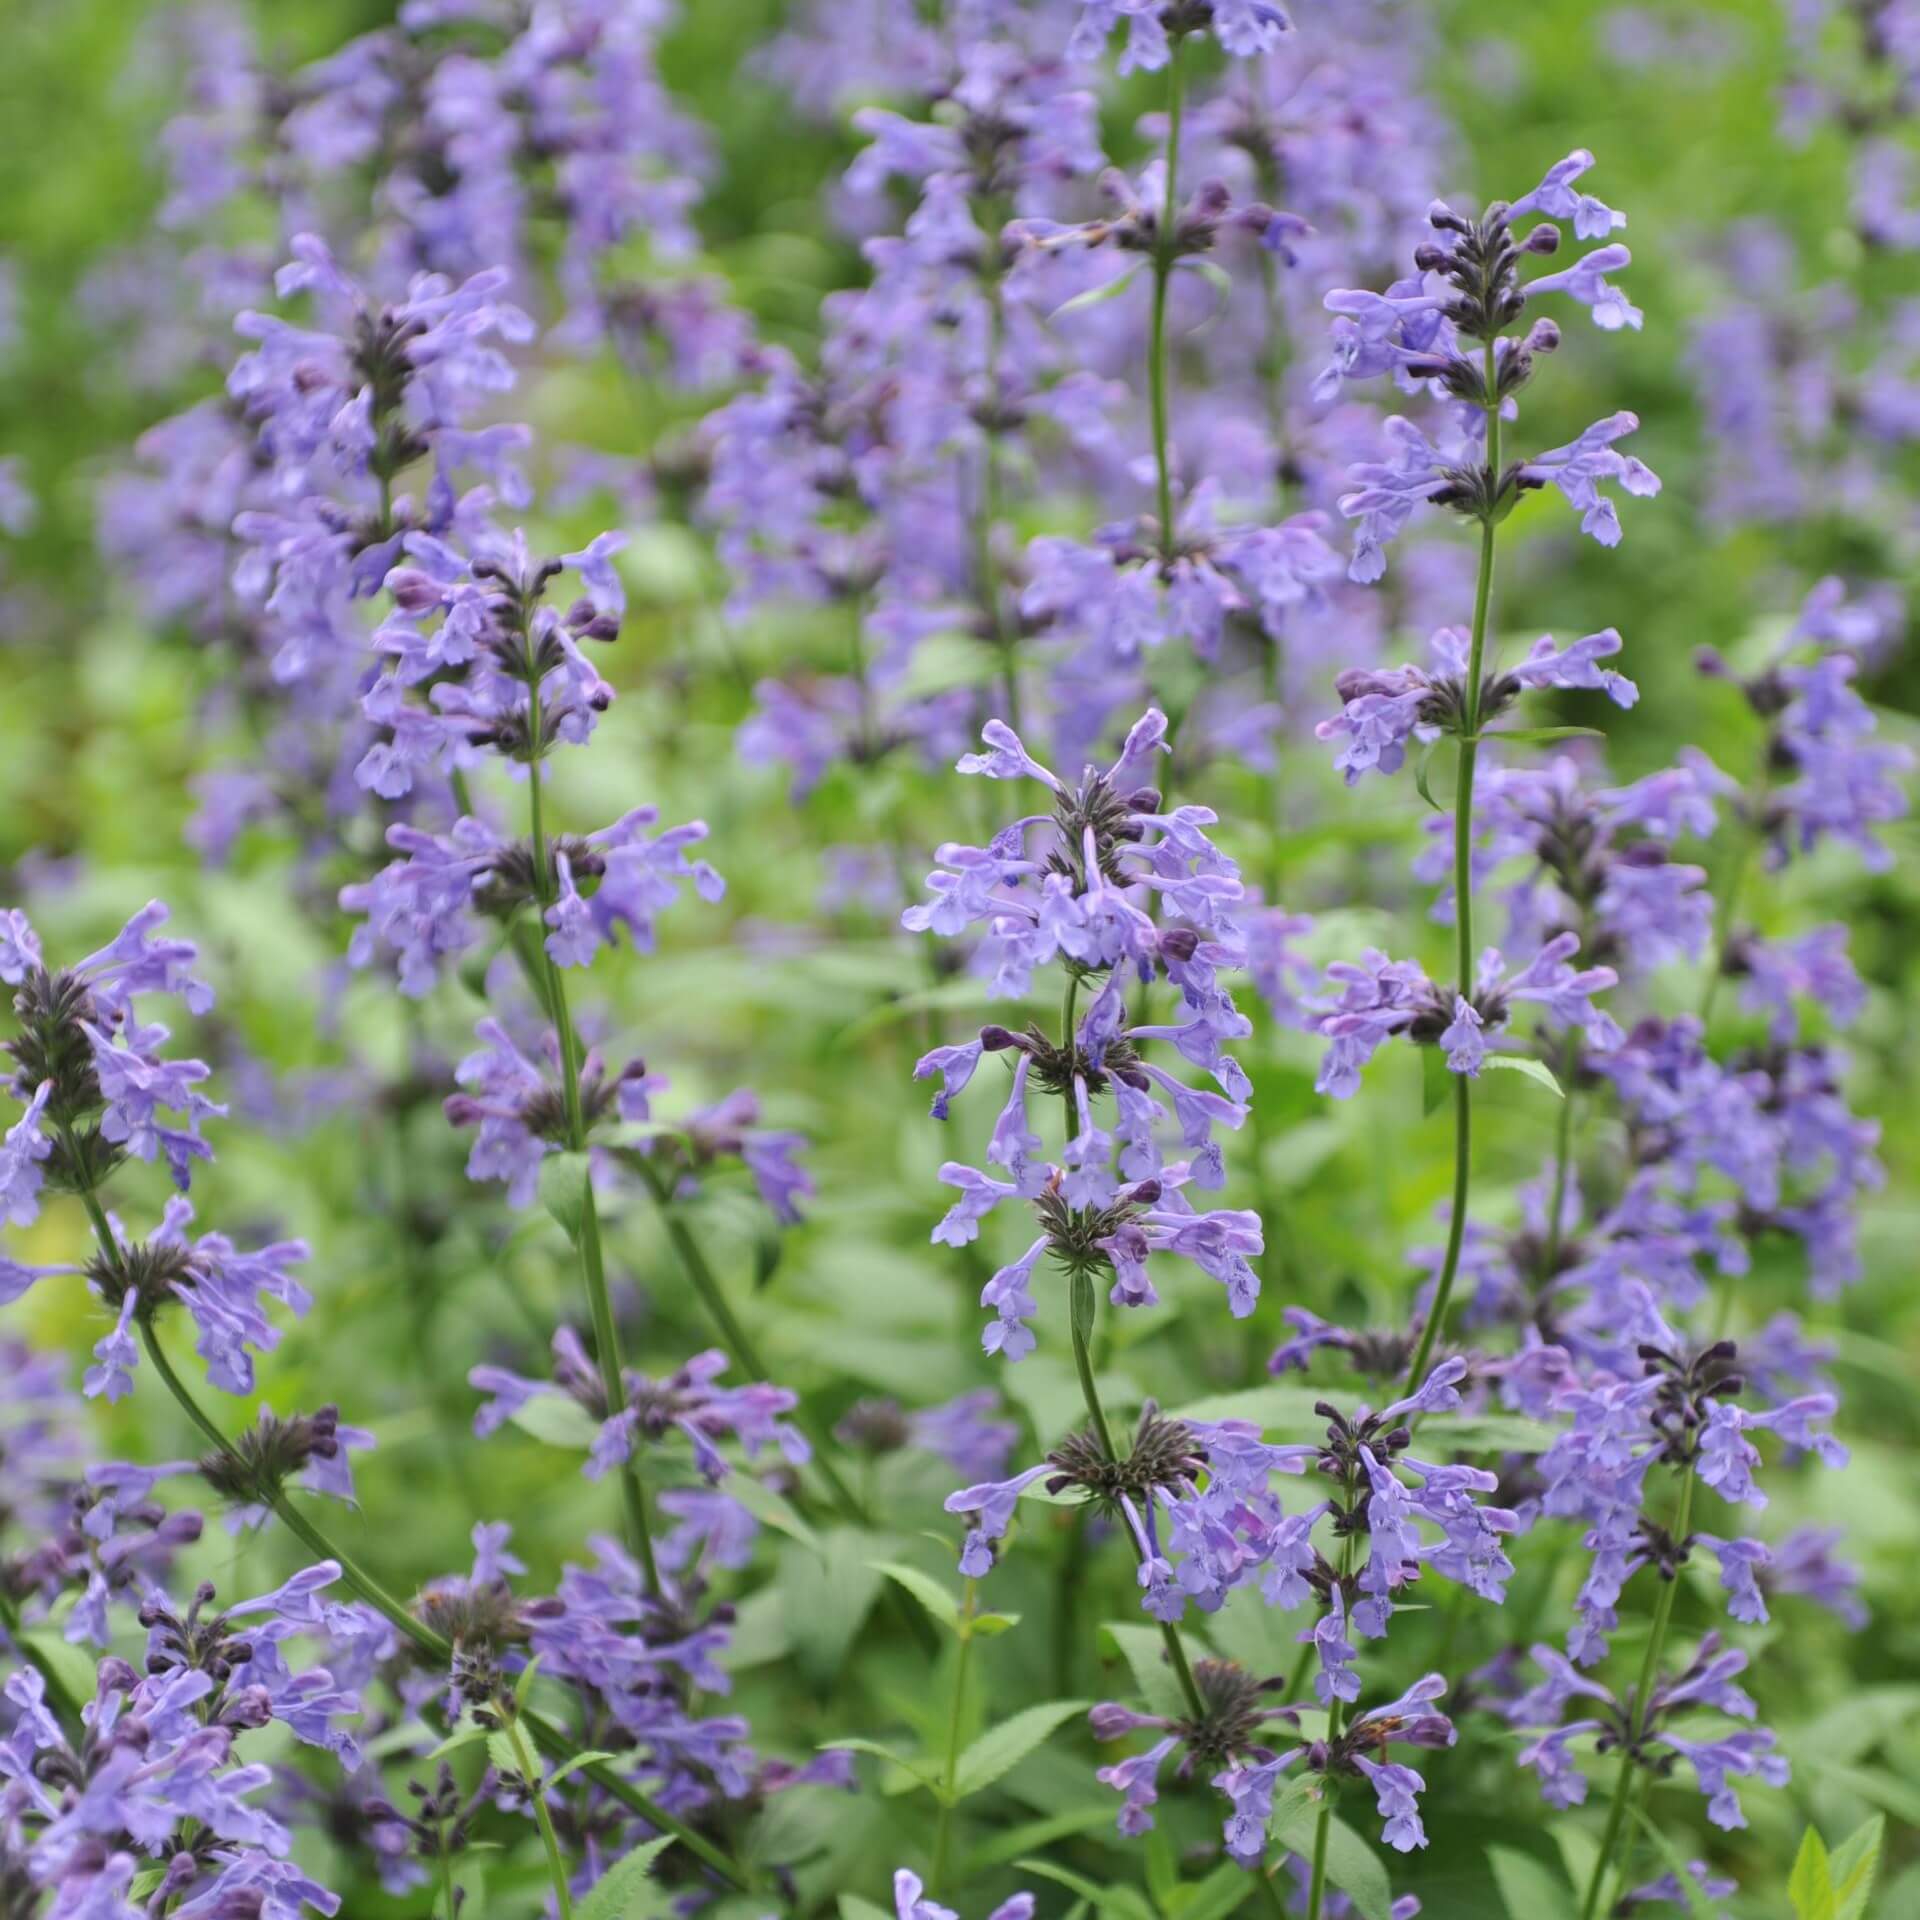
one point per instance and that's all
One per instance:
(1221, 1893)
(72, 1666)
(1436, 1080)
(1853, 1866)
(1421, 768)
(556, 1421)
(1145, 1652)
(1538, 736)
(1128, 1902)
(579, 1760)
(852, 1907)
(1529, 1888)
(466, 1734)
(771, 1510)
(1352, 1865)
(621, 1893)
(925, 1588)
(524, 1684)
(990, 1625)
(1521, 1063)
(1491, 1433)
(1093, 297)
(1005, 1746)
(1691, 1893)
(563, 1190)
(505, 1757)
(1810, 1885)
(1011, 1842)
(1218, 278)
(926, 1777)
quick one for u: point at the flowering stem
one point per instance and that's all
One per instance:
(1463, 895)
(435, 1646)
(1163, 261)
(446, 1879)
(1336, 1716)
(1649, 1673)
(1005, 641)
(735, 1336)
(530, 1773)
(1082, 1310)
(943, 1828)
(606, 1332)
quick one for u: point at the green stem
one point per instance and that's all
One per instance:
(1163, 263)
(530, 1773)
(1649, 1674)
(1463, 898)
(943, 1828)
(434, 1646)
(446, 1879)
(735, 1337)
(1336, 1721)
(606, 1331)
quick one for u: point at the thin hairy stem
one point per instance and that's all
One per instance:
(943, 1828)
(1336, 1721)
(530, 1773)
(606, 1332)
(1638, 1710)
(1163, 263)
(1463, 903)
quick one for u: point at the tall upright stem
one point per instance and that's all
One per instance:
(1163, 262)
(1082, 1309)
(1463, 895)
(606, 1331)
(1643, 1694)
(943, 1827)
(530, 1774)
(1336, 1719)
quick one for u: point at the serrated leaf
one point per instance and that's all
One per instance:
(621, 1893)
(938, 1602)
(1002, 1748)
(556, 1421)
(1436, 1081)
(1854, 1863)
(1536, 1070)
(505, 1758)
(563, 1190)
(1529, 1888)
(1810, 1885)
(1352, 1865)
(1093, 297)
